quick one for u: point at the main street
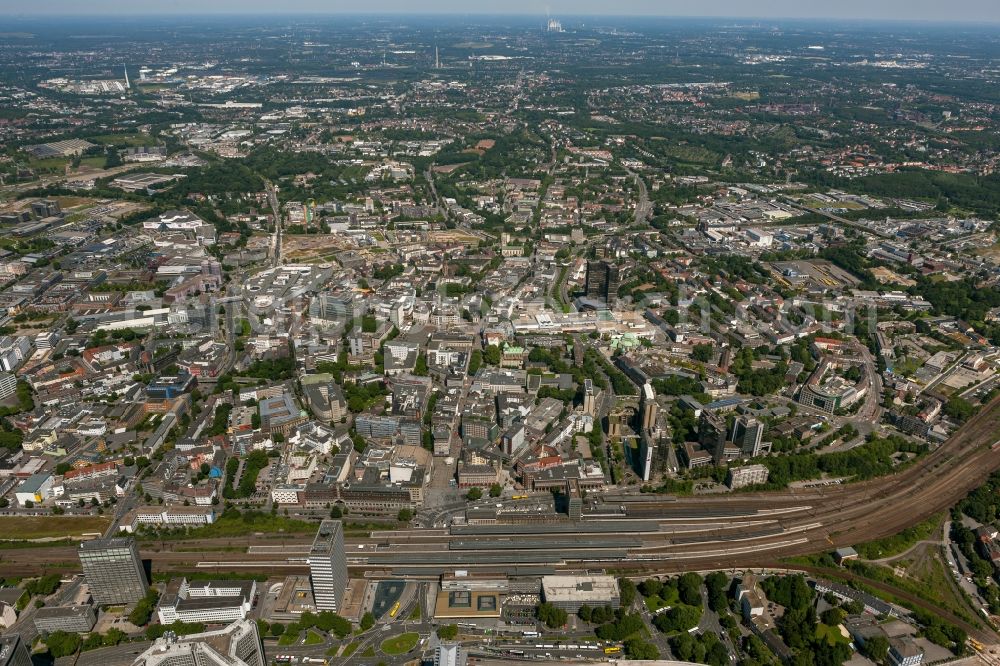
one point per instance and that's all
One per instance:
(643, 209)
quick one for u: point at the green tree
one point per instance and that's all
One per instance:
(496, 490)
(367, 621)
(626, 592)
(420, 369)
(475, 361)
(474, 494)
(678, 618)
(637, 648)
(447, 632)
(833, 616)
(959, 408)
(689, 588)
(143, 610)
(492, 355)
(62, 643)
(702, 352)
(717, 582)
(552, 617)
(876, 648)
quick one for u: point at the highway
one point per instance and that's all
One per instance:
(836, 218)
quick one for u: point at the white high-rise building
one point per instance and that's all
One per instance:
(449, 654)
(8, 385)
(328, 566)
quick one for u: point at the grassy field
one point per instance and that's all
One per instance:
(235, 526)
(831, 635)
(401, 644)
(94, 162)
(313, 638)
(923, 574)
(51, 527)
(73, 202)
(48, 164)
(900, 543)
(123, 140)
(349, 649)
(655, 603)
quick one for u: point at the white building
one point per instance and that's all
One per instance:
(236, 645)
(206, 601)
(741, 477)
(8, 385)
(35, 489)
(155, 515)
(46, 340)
(449, 654)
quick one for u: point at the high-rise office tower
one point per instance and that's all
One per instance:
(328, 566)
(236, 645)
(13, 651)
(113, 570)
(747, 435)
(647, 407)
(589, 397)
(603, 280)
(712, 435)
(449, 654)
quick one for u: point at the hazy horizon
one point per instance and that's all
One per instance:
(958, 11)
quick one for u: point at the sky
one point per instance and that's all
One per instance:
(975, 11)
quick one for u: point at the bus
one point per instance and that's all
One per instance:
(519, 497)
(395, 609)
(530, 634)
(613, 649)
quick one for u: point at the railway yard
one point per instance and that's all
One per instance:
(618, 532)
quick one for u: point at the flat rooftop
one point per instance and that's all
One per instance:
(464, 604)
(579, 588)
(326, 537)
(102, 544)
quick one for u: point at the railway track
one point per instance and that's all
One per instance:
(694, 533)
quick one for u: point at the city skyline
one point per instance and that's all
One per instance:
(467, 339)
(978, 11)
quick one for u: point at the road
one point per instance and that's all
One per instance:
(119, 655)
(25, 624)
(643, 209)
(871, 411)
